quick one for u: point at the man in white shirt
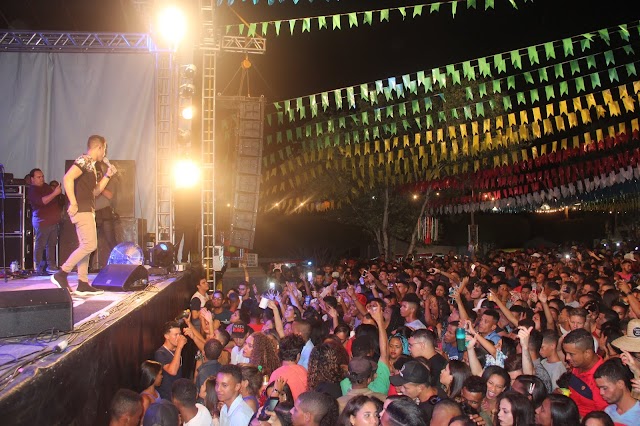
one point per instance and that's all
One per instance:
(201, 291)
(234, 412)
(409, 310)
(183, 396)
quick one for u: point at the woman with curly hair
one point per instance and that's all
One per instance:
(325, 371)
(262, 352)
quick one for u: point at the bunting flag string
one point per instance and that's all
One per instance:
(509, 148)
(404, 122)
(425, 81)
(351, 19)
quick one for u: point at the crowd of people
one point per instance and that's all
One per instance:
(547, 337)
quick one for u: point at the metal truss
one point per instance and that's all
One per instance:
(240, 44)
(69, 41)
(166, 125)
(208, 130)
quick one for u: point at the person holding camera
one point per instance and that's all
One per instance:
(170, 356)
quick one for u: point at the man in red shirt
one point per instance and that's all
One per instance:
(581, 356)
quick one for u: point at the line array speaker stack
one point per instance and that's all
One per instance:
(18, 228)
(246, 183)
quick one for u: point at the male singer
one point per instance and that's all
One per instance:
(82, 186)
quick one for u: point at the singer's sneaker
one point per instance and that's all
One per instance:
(60, 279)
(84, 289)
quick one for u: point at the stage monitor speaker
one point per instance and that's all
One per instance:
(34, 311)
(121, 278)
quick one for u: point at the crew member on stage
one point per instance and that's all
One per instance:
(105, 216)
(45, 219)
(82, 186)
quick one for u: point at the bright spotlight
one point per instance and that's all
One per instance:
(187, 112)
(172, 24)
(186, 174)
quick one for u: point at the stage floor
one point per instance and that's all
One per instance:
(84, 307)
(113, 332)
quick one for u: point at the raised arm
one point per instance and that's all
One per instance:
(474, 362)
(527, 363)
(277, 320)
(507, 313)
(376, 314)
(551, 324)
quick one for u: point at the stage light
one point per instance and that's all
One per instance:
(187, 112)
(127, 253)
(162, 255)
(189, 71)
(187, 90)
(186, 173)
(172, 24)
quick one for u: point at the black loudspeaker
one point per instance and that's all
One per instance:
(33, 311)
(121, 277)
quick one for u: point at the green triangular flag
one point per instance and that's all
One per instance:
(429, 121)
(580, 85)
(564, 88)
(467, 112)
(604, 35)
(628, 49)
(265, 28)
(482, 90)
(364, 91)
(402, 109)
(613, 75)
(528, 77)
(351, 97)
(368, 17)
(516, 60)
(454, 8)
(506, 102)
(542, 74)
(585, 44)
(454, 113)
(591, 62)
(306, 24)
(575, 67)
(471, 4)
(442, 116)
(336, 21)
(549, 50)
(252, 30)
(488, 4)
(377, 114)
(496, 86)
(228, 28)
(292, 25)
(403, 12)
(521, 98)
(533, 55)
(624, 32)
(325, 100)
(428, 104)
(484, 67)
(322, 22)
(533, 94)
(511, 82)
(567, 45)
(415, 107)
(277, 25)
(384, 15)
(631, 70)
(365, 118)
(353, 20)
(417, 10)
(455, 77)
(451, 69)
(499, 63)
(435, 7)
(241, 29)
(468, 93)
(549, 92)
(559, 70)
(609, 58)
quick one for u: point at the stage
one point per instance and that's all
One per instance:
(112, 334)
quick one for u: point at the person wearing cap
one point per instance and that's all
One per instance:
(239, 332)
(362, 371)
(409, 310)
(627, 267)
(614, 381)
(582, 358)
(414, 381)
